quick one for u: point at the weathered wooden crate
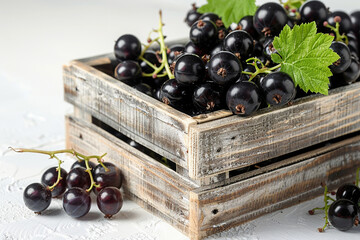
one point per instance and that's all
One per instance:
(208, 148)
(199, 211)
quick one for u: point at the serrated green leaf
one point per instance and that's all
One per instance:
(306, 56)
(276, 58)
(230, 11)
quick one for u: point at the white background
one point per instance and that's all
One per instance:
(36, 38)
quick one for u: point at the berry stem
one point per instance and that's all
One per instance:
(147, 46)
(58, 169)
(79, 156)
(258, 70)
(338, 37)
(163, 48)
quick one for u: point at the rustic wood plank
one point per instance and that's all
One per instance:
(148, 179)
(234, 142)
(225, 207)
(136, 115)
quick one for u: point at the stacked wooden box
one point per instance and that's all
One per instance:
(225, 169)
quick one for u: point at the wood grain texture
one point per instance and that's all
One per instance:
(152, 182)
(210, 145)
(233, 142)
(200, 211)
(136, 115)
(225, 207)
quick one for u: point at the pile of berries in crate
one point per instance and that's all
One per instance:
(258, 61)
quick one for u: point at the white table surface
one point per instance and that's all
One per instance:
(36, 38)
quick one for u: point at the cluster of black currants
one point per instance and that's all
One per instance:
(231, 68)
(344, 211)
(75, 188)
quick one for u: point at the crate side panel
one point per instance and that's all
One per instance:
(234, 142)
(229, 206)
(139, 117)
(149, 180)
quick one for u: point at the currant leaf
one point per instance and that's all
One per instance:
(230, 11)
(306, 56)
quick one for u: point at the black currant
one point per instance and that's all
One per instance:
(190, 47)
(174, 52)
(355, 20)
(204, 33)
(150, 56)
(352, 73)
(77, 177)
(243, 98)
(240, 43)
(348, 191)
(211, 17)
(175, 94)
(109, 201)
(270, 18)
(127, 47)
(207, 97)
(50, 176)
(144, 88)
(192, 16)
(345, 23)
(111, 178)
(247, 24)
(345, 57)
(189, 69)
(128, 72)
(278, 88)
(313, 11)
(82, 164)
(217, 48)
(343, 214)
(76, 202)
(224, 68)
(37, 197)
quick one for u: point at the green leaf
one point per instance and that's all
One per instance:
(306, 56)
(230, 11)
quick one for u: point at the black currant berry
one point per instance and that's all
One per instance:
(247, 24)
(150, 56)
(352, 73)
(82, 164)
(355, 20)
(217, 48)
(77, 177)
(128, 72)
(240, 43)
(204, 33)
(207, 97)
(190, 47)
(76, 202)
(348, 191)
(343, 214)
(243, 98)
(270, 18)
(175, 94)
(210, 17)
(127, 47)
(174, 52)
(189, 69)
(37, 197)
(278, 88)
(144, 88)
(50, 176)
(111, 178)
(109, 201)
(192, 16)
(345, 57)
(345, 23)
(224, 68)
(313, 11)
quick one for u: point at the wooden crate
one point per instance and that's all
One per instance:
(199, 211)
(208, 147)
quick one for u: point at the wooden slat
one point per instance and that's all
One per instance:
(149, 180)
(136, 115)
(234, 142)
(225, 207)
